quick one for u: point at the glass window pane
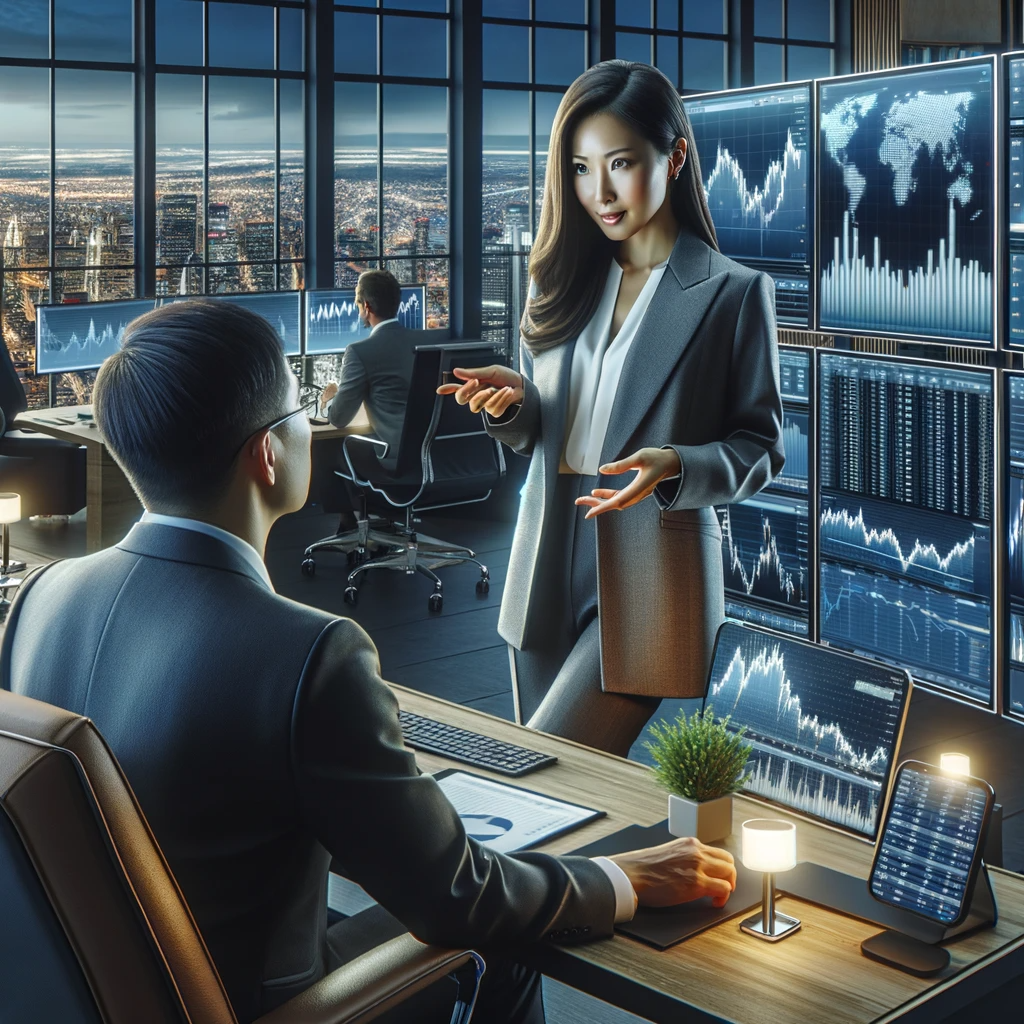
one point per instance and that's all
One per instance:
(809, 19)
(361, 3)
(26, 28)
(94, 185)
(703, 64)
(355, 43)
(346, 275)
(416, 46)
(179, 32)
(668, 14)
(506, 53)
(546, 106)
(355, 169)
(96, 30)
(506, 8)
(241, 160)
(633, 14)
(441, 6)
(808, 62)
(25, 166)
(633, 46)
(667, 57)
(430, 272)
(415, 169)
(560, 55)
(22, 291)
(290, 40)
(179, 185)
(241, 36)
(767, 63)
(706, 15)
(506, 167)
(574, 11)
(768, 18)
(292, 172)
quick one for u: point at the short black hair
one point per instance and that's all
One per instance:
(191, 382)
(380, 290)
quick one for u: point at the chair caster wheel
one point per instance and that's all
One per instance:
(352, 596)
(308, 567)
(435, 603)
(483, 586)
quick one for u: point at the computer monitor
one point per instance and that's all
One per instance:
(332, 320)
(1013, 468)
(906, 203)
(80, 335)
(756, 158)
(824, 726)
(283, 310)
(1013, 196)
(905, 505)
(766, 540)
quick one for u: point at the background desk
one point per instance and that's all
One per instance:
(816, 976)
(111, 505)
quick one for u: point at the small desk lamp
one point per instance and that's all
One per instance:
(769, 846)
(10, 512)
(955, 764)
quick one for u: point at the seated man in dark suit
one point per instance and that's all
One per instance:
(257, 732)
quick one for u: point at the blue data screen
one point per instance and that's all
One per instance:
(926, 851)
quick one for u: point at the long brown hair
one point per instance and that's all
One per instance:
(570, 256)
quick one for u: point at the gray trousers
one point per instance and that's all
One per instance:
(558, 678)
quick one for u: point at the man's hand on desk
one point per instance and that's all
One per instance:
(678, 872)
(330, 390)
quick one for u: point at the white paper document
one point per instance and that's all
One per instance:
(505, 818)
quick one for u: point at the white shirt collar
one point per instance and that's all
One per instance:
(243, 548)
(393, 320)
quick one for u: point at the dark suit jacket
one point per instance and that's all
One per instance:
(260, 741)
(377, 371)
(701, 376)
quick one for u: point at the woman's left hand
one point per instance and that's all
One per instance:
(652, 465)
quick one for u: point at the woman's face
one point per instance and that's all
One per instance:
(620, 178)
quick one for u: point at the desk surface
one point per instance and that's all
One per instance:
(817, 975)
(54, 422)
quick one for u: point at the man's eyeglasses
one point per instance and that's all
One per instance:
(269, 426)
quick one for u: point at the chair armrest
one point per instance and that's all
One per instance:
(366, 987)
(361, 439)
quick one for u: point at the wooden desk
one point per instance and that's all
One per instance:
(110, 503)
(817, 976)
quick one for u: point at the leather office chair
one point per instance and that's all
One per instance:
(94, 927)
(445, 458)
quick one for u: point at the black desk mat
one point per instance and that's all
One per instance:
(663, 927)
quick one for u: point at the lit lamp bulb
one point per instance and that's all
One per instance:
(769, 846)
(955, 764)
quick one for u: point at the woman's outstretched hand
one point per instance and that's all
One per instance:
(652, 465)
(488, 388)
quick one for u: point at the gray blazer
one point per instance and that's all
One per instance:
(701, 377)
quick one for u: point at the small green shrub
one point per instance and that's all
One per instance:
(699, 759)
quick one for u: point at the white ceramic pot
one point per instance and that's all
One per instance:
(709, 821)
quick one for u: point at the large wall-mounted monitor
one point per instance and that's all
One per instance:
(905, 516)
(79, 336)
(332, 320)
(756, 159)
(1013, 218)
(283, 310)
(906, 203)
(1013, 702)
(824, 726)
(767, 539)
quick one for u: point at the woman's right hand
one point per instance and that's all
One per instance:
(487, 388)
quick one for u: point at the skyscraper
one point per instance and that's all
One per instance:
(176, 225)
(421, 245)
(259, 250)
(221, 248)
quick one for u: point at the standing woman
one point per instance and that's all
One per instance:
(645, 351)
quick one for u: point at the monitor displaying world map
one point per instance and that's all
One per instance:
(906, 186)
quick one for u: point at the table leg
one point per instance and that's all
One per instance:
(111, 505)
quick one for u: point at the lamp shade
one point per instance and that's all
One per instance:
(769, 845)
(10, 507)
(955, 764)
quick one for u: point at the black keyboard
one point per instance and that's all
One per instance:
(470, 747)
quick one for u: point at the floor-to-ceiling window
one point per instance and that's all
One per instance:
(793, 40)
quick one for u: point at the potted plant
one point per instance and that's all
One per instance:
(701, 763)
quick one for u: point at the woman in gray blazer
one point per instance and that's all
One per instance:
(645, 351)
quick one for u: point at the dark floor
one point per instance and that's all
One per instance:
(459, 656)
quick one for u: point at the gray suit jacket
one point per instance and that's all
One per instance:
(377, 371)
(702, 377)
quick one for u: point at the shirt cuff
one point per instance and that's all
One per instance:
(625, 897)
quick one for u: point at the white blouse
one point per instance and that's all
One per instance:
(597, 362)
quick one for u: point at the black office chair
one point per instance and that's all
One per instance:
(93, 926)
(445, 458)
(47, 473)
